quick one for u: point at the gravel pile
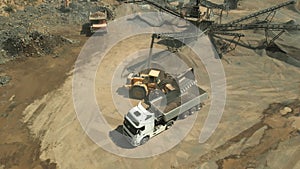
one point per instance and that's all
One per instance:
(4, 80)
(32, 44)
(25, 33)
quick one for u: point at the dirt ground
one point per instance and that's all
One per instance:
(32, 78)
(39, 127)
(243, 114)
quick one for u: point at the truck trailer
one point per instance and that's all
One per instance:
(145, 121)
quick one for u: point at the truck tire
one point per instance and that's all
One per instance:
(169, 124)
(199, 106)
(138, 92)
(144, 140)
(192, 110)
(184, 115)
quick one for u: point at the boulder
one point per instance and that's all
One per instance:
(285, 111)
(4, 80)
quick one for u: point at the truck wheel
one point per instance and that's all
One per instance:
(144, 140)
(138, 92)
(184, 115)
(169, 124)
(198, 107)
(192, 110)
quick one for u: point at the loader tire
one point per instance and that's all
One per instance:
(138, 92)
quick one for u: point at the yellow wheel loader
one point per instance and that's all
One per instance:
(141, 84)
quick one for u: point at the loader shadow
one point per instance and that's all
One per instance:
(119, 139)
(99, 33)
(142, 64)
(123, 91)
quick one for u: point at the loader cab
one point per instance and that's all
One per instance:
(145, 77)
(152, 79)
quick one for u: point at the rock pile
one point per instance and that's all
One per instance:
(4, 80)
(27, 32)
(32, 44)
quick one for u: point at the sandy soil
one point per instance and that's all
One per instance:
(251, 87)
(31, 79)
(253, 82)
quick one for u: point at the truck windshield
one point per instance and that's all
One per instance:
(95, 21)
(131, 128)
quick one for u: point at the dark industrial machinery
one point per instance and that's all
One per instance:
(225, 37)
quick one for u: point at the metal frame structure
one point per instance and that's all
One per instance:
(224, 31)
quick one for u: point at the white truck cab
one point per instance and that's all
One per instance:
(138, 125)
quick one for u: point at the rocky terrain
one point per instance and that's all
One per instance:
(39, 44)
(28, 30)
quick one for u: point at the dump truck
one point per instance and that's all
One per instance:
(98, 21)
(141, 84)
(145, 121)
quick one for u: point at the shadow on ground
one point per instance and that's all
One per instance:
(119, 139)
(291, 57)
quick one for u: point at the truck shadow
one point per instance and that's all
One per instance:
(99, 33)
(119, 139)
(85, 30)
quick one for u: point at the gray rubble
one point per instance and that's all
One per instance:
(25, 34)
(4, 80)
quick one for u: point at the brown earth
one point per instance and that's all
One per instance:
(31, 79)
(278, 129)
